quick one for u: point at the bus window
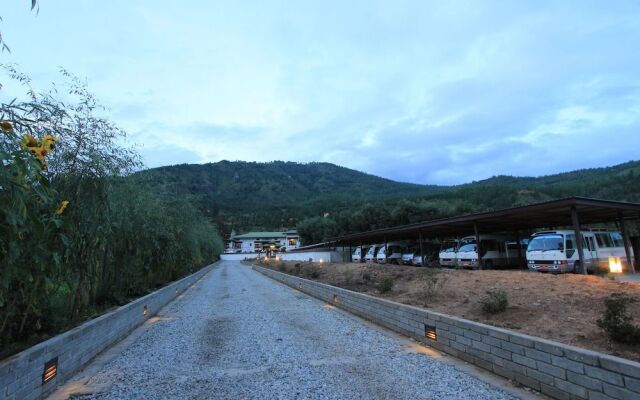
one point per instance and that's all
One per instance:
(616, 238)
(604, 240)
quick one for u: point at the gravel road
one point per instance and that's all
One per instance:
(240, 335)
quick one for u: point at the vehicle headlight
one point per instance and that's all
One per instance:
(531, 262)
(474, 260)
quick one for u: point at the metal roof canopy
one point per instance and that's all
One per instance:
(547, 214)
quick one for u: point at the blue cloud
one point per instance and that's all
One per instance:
(417, 91)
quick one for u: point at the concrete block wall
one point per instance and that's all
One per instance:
(316, 256)
(21, 374)
(557, 370)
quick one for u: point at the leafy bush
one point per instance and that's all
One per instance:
(348, 276)
(77, 234)
(616, 320)
(366, 276)
(434, 282)
(496, 301)
(315, 273)
(386, 285)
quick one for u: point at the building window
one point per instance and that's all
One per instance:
(293, 242)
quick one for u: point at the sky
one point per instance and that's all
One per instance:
(417, 91)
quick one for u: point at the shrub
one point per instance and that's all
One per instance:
(366, 276)
(348, 276)
(282, 268)
(496, 301)
(297, 268)
(386, 285)
(315, 274)
(434, 281)
(616, 320)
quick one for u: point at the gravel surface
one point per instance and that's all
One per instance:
(239, 335)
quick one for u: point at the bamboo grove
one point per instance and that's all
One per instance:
(77, 235)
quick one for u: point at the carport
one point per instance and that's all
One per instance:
(569, 212)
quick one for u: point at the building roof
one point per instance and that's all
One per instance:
(555, 213)
(266, 235)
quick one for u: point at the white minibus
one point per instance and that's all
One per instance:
(447, 255)
(556, 251)
(495, 252)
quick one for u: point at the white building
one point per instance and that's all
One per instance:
(256, 242)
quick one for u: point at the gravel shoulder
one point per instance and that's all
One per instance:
(237, 334)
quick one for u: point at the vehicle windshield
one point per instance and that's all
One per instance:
(467, 247)
(546, 243)
(448, 246)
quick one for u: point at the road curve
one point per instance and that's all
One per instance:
(239, 335)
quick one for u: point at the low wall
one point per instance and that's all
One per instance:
(557, 370)
(238, 256)
(21, 375)
(316, 256)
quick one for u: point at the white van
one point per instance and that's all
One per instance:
(409, 254)
(495, 252)
(556, 251)
(372, 252)
(355, 257)
(394, 255)
(447, 255)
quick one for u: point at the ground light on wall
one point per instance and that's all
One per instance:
(145, 310)
(50, 370)
(430, 332)
(615, 265)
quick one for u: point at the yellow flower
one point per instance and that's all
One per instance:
(29, 141)
(41, 154)
(6, 126)
(62, 207)
(49, 142)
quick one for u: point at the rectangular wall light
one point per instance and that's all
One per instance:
(50, 370)
(430, 332)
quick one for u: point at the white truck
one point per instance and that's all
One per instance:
(557, 251)
(495, 252)
(394, 255)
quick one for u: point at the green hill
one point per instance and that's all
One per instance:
(249, 195)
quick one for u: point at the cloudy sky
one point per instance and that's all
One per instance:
(428, 92)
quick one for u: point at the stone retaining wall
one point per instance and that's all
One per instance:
(21, 376)
(557, 370)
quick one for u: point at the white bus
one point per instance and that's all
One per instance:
(355, 257)
(394, 256)
(496, 252)
(447, 255)
(557, 251)
(372, 252)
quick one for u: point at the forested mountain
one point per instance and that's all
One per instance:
(324, 200)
